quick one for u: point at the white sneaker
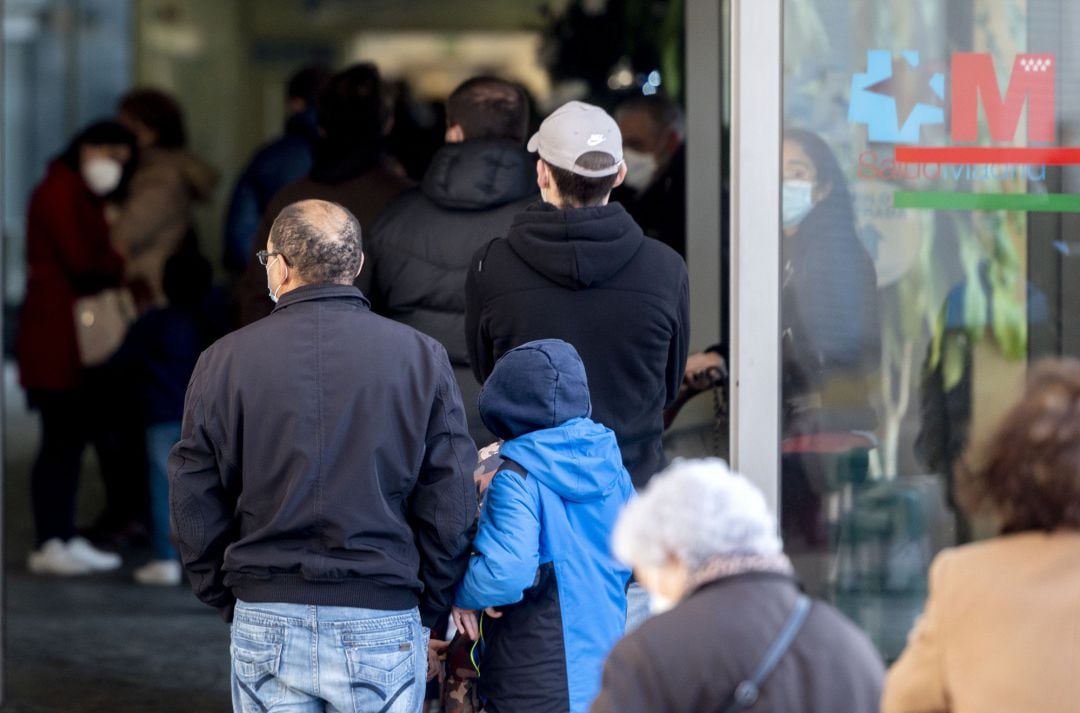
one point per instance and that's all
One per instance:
(95, 559)
(159, 573)
(55, 558)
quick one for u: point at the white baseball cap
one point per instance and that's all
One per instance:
(574, 129)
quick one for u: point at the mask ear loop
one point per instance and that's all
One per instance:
(283, 280)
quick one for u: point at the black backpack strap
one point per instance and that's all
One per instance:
(513, 467)
(746, 693)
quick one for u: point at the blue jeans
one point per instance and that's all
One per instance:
(160, 438)
(299, 658)
(638, 606)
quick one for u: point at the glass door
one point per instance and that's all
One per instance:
(928, 256)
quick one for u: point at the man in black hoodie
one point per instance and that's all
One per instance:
(422, 245)
(322, 487)
(577, 268)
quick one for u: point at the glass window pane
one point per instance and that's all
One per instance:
(927, 252)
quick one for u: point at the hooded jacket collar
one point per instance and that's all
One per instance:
(579, 460)
(576, 247)
(480, 175)
(535, 386)
(310, 293)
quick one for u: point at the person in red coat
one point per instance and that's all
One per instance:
(69, 255)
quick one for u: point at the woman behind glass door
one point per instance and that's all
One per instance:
(831, 337)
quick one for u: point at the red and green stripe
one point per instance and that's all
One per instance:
(1028, 202)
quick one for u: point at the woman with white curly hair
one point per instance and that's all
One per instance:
(739, 633)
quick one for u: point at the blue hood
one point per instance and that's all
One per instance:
(579, 461)
(538, 385)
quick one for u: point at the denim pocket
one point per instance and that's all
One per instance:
(256, 662)
(382, 669)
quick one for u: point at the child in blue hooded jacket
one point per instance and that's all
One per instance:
(542, 549)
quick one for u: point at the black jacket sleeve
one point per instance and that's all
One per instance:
(679, 349)
(443, 505)
(481, 353)
(203, 489)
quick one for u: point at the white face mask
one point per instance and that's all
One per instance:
(272, 292)
(640, 169)
(658, 604)
(102, 175)
(798, 199)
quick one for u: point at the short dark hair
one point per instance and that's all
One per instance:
(307, 83)
(320, 240)
(352, 107)
(159, 112)
(583, 191)
(1031, 478)
(489, 108)
(664, 111)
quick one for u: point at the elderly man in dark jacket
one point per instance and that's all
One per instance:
(422, 245)
(324, 460)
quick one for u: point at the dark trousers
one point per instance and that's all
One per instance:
(70, 419)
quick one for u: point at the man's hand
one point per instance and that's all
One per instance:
(697, 374)
(436, 654)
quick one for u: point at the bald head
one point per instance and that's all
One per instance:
(320, 241)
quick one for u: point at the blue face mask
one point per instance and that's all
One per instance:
(798, 200)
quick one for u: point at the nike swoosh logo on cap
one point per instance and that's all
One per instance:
(596, 140)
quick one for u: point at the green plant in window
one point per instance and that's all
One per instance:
(992, 306)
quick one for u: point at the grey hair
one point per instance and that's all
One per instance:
(695, 511)
(320, 240)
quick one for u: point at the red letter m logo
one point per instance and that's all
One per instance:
(1032, 82)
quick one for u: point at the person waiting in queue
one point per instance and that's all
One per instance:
(702, 542)
(997, 632)
(831, 336)
(69, 256)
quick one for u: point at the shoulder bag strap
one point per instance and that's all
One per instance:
(513, 467)
(747, 693)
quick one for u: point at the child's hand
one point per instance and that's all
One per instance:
(436, 654)
(493, 612)
(465, 621)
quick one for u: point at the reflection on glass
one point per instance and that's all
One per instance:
(830, 341)
(919, 282)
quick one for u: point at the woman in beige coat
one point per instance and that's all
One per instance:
(156, 218)
(1001, 630)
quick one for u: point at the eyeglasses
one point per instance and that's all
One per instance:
(264, 257)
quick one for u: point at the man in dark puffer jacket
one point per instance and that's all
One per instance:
(421, 247)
